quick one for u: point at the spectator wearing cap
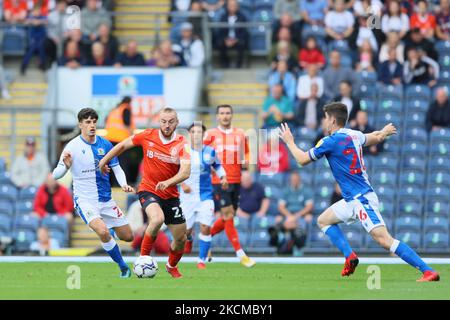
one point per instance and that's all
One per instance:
(438, 115)
(232, 38)
(190, 47)
(131, 57)
(31, 168)
(52, 198)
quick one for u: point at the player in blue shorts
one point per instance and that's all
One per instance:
(197, 192)
(343, 150)
(92, 189)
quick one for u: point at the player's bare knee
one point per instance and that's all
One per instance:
(205, 230)
(128, 237)
(321, 223)
(103, 234)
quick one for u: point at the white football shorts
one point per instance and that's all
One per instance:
(109, 212)
(364, 208)
(198, 211)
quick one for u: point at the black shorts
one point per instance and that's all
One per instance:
(170, 207)
(225, 198)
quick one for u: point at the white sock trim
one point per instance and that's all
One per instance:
(108, 246)
(240, 253)
(206, 238)
(394, 246)
(324, 229)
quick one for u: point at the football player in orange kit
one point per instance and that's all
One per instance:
(232, 149)
(166, 164)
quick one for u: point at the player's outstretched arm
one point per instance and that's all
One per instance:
(377, 137)
(122, 179)
(300, 156)
(63, 165)
(114, 152)
(183, 174)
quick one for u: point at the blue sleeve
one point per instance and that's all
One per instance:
(114, 161)
(322, 148)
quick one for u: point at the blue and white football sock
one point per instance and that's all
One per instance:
(409, 255)
(338, 239)
(204, 245)
(112, 248)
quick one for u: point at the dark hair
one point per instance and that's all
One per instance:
(338, 111)
(197, 124)
(347, 83)
(224, 106)
(125, 99)
(87, 113)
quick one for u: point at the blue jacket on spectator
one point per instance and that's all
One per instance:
(289, 83)
(386, 76)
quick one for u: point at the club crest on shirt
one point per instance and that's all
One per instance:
(151, 144)
(101, 152)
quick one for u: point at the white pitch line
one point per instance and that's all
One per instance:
(267, 260)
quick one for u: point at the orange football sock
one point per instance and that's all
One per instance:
(147, 245)
(232, 234)
(174, 257)
(217, 227)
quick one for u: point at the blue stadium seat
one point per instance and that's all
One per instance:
(321, 204)
(413, 239)
(411, 191)
(391, 92)
(273, 208)
(438, 163)
(387, 208)
(23, 238)
(438, 178)
(24, 207)
(386, 162)
(2, 165)
(354, 234)
(389, 104)
(305, 134)
(55, 222)
(306, 177)
(8, 192)
(405, 223)
(440, 149)
(5, 178)
(414, 162)
(440, 135)
(339, 45)
(436, 240)
(27, 193)
(318, 239)
(442, 46)
(14, 41)
(258, 42)
(323, 177)
(368, 105)
(416, 104)
(384, 178)
(372, 246)
(414, 148)
(220, 241)
(438, 207)
(305, 145)
(7, 208)
(131, 198)
(416, 135)
(436, 223)
(366, 77)
(60, 236)
(383, 118)
(5, 223)
(410, 206)
(412, 178)
(263, 4)
(367, 92)
(317, 32)
(272, 191)
(241, 223)
(391, 146)
(346, 60)
(261, 223)
(444, 60)
(418, 91)
(385, 194)
(322, 163)
(444, 78)
(438, 193)
(272, 179)
(415, 119)
(259, 238)
(26, 222)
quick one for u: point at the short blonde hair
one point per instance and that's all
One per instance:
(168, 110)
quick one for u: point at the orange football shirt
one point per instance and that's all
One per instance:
(232, 149)
(161, 160)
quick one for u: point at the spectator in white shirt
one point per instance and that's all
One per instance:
(190, 47)
(392, 42)
(339, 22)
(395, 20)
(305, 81)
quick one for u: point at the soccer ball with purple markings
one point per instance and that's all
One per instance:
(145, 267)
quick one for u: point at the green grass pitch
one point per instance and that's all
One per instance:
(218, 281)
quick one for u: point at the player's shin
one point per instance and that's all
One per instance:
(204, 245)
(112, 248)
(218, 226)
(147, 244)
(233, 237)
(408, 255)
(338, 239)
